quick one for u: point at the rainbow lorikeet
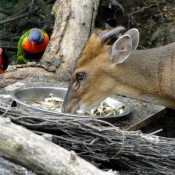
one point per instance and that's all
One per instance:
(4, 61)
(32, 45)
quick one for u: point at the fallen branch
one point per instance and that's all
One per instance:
(100, 142)
(21, 146)
(17, 72)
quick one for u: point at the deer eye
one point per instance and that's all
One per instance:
(80, 76)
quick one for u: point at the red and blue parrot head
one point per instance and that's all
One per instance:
(35, 37)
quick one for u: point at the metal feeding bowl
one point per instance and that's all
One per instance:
(29, 98)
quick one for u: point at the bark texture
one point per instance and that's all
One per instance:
(40, 155)
(14, 74)
(74, 21)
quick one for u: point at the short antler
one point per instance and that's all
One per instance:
(112, 33)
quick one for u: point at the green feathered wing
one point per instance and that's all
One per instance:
(20, 57)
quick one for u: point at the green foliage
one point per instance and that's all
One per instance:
(42, 16)
(12, 31)
(8, 4)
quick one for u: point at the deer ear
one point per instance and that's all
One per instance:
(134, 34)
(121, 49)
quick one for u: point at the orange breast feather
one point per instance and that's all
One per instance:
(26, 45)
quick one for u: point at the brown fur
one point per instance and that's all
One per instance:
(91, 49)
(147, 75)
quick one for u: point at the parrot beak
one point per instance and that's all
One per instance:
(33, 45)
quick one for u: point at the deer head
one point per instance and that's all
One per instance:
(94, 77)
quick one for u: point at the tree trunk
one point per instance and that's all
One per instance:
(74, 21)
(39, 155)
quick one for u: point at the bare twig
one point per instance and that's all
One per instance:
(99, 141)
(19, 16)
(47, 13)
(147, 7)
(19, 8)
(141, 10)
(152, 13)
(155, 132)
(6, 11)
(116, 3)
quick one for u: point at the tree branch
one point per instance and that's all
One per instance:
(47, 13)
(18, 17)
(21, 146)
(19, 8)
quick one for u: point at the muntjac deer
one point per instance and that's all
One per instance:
(103, 70)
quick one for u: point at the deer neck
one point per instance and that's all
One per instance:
(148, 75)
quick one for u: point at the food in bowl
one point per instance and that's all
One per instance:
(55, 104)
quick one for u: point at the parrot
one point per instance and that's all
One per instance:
(4, 61)
(32, 45)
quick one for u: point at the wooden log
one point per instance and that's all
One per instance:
(98, 143)
(131, 151)
(10, 168)
(14, 74)
(40, 155)
(74, 21)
